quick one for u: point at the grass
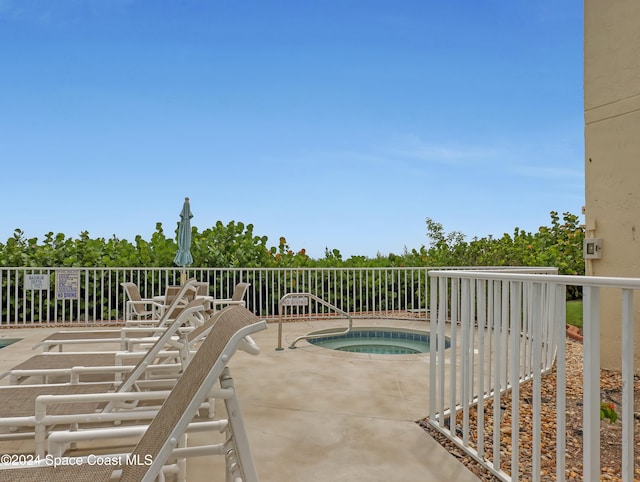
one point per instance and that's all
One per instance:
(574, 313)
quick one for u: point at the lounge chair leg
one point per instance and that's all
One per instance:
(212, 408)
(182, 463)
(74, 427)
(240, 453)
(40, 439)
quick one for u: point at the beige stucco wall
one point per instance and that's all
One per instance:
(612, 154)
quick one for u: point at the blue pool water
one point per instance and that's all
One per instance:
(379, 341)
(8, 341)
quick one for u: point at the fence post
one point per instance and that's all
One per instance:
(591, 395)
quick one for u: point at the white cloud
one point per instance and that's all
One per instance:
(413, 148)
(546, 172)
(46, 12)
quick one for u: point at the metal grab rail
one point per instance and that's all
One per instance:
(308, 296)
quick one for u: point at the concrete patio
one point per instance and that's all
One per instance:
(317, 415)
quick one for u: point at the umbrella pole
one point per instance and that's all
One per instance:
(183, 276)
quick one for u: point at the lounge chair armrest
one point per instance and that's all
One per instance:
(249, 346)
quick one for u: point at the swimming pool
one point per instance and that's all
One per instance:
(377, 340)
(8, 341)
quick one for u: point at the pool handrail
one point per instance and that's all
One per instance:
(309, 296)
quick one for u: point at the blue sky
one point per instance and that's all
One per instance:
(337, 124)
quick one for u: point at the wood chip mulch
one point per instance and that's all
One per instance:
(610, 433)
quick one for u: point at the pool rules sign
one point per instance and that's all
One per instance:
(36, 282)
(67, 284)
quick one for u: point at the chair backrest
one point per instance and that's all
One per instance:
(133, 293)
(174, 293)
(203, 288)
(170, 294)
(192, 308)
(178, 410)
(202, 330)
(239, 291)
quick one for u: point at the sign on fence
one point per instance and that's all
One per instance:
(296, 301)
(67, 284)
(36, 281)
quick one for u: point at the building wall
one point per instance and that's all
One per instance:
(612, 154)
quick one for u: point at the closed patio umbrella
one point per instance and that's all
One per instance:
(183, 256)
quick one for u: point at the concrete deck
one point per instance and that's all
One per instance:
(314, 414)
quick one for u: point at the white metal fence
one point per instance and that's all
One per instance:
(95, 295)
(505, 329)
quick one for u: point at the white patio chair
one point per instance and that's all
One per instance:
(135, 329)
(140, 308)
(237, 297)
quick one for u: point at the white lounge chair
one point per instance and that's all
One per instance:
(27, 406)
(83, 367)
(163, 439)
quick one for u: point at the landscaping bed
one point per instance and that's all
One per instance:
(610, 433)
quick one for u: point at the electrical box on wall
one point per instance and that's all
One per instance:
(592, 248)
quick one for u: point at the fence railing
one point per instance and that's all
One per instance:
(505, 329)
(95, 295)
